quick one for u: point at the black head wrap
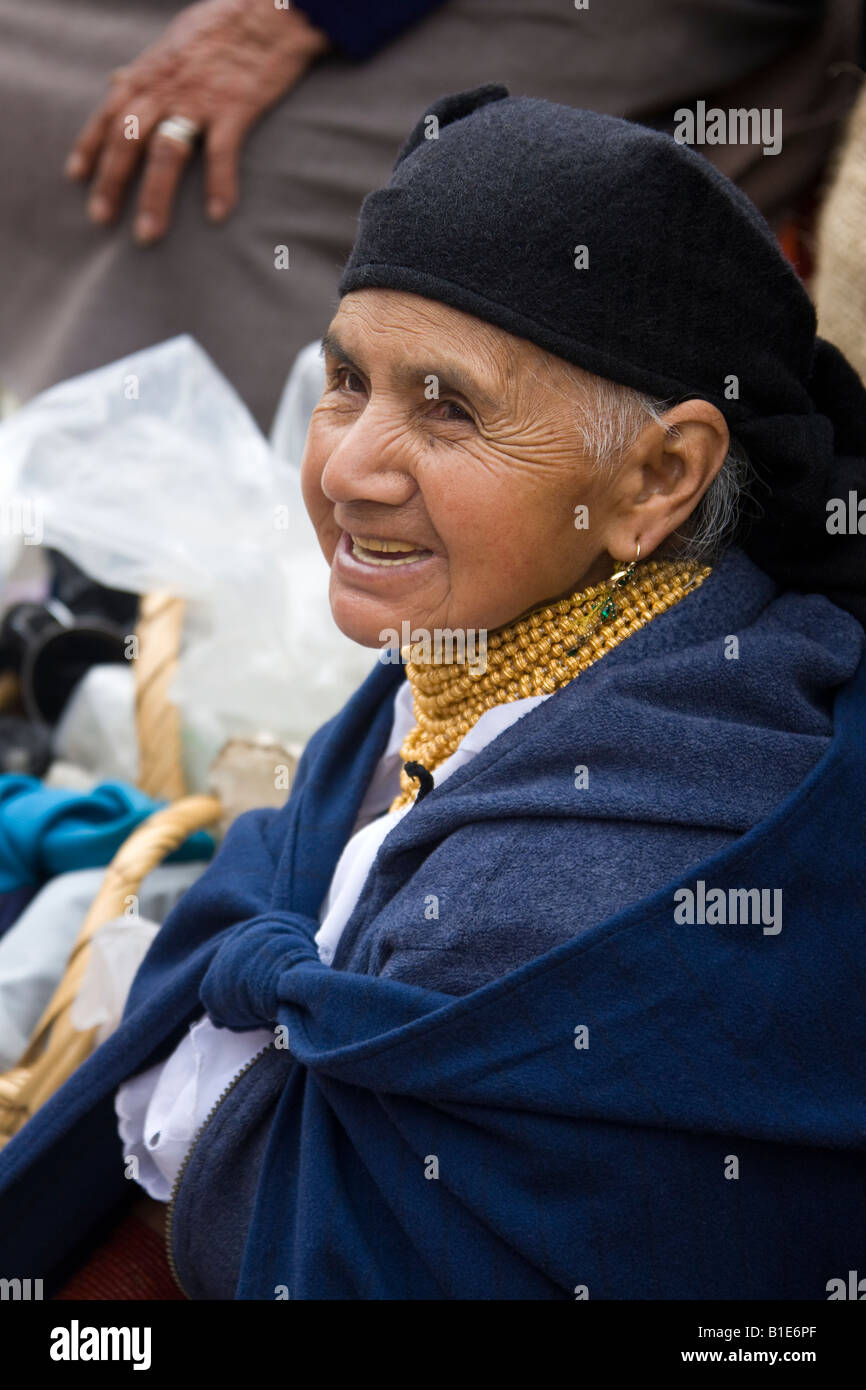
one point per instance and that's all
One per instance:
(684, 293)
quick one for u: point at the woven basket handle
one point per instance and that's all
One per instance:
(146, 847)
(56, 1049)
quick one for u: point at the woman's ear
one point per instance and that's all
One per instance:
(664, 476)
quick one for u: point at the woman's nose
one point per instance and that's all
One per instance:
(371, 462)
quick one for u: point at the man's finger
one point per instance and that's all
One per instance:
(124, 142)
(166, 160)
(224, 140)
(89, 141)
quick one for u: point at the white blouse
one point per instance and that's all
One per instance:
(160, 1111)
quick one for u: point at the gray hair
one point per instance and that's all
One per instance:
(609, 421)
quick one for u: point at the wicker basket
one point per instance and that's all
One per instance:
(56, 1048)
(839, 285)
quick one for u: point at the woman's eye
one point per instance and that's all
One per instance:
(348, 380)
(450, 410)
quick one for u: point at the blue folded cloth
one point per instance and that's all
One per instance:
(49, 830)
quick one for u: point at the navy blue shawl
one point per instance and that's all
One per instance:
(708, 1142)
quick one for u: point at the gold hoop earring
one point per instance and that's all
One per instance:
(604, 607)
(622, 576)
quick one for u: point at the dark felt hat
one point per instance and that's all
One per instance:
(620, 250)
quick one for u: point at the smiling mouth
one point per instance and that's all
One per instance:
(372, 551)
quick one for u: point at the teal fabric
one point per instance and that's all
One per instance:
(48, 830)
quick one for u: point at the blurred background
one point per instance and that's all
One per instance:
(339, 97)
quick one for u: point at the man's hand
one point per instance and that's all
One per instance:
(219, 64)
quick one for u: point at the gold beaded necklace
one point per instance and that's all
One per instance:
(536, 655)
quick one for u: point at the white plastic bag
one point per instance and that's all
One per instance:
(96, 731)
(299, 398)
(150, 474)
(117, 949)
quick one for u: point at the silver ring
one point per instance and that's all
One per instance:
(179, 128)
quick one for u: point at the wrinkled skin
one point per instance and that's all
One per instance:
(484, 480)
(220, 63)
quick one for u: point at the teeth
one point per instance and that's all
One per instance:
(373, 551)
(368, 543)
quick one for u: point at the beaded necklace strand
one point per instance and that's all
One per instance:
(536, 655)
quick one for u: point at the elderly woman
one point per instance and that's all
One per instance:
(543, 984)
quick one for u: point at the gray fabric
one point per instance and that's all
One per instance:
(76, 296)
(214, 1202)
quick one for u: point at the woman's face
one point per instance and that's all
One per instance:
(442, 471)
